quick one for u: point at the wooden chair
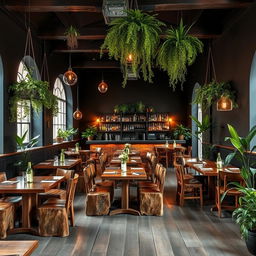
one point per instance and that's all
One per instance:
(97, 197)
(84, 156)
(6, 218)
(224, 178)
(151, 198)
(57, 193)
(53, 214)
(179, 160)
(188, 152)
(162, 155)
(187, 188)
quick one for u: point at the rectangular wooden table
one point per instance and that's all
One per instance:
(133, 173)
(29, 191)
(54, 165)
(132, 153)
(21, 248)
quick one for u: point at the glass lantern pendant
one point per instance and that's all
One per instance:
(102, 87)
(78, 114)
(224, 104)
(70, 77)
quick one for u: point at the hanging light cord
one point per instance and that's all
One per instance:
(210, 62)
(69, 60)
(77, 97)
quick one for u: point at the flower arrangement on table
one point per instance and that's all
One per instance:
(127, 147)
(123, 157)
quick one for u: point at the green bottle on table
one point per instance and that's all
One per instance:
(62, 156)
(29, 173)
(219, 162)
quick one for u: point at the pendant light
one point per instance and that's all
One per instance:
(102, 87)
(70, 77)
(77, 115)
(224, 104)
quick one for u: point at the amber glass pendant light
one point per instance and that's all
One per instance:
(102, 87)
(70, 77)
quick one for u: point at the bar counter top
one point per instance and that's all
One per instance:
(92, 142)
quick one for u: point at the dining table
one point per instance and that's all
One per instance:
(18, 248)
(54, 165)
(132, 174)
(29, 192)
(131, 153)
(133, 160)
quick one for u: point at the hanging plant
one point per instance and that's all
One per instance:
(208, 94)
(133, 40)
(177, 52)
(72, 33)
(30, 91)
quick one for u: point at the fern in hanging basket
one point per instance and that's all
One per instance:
(177, 52)
(135, 36)
(72, 33)
(31, 92)
(208, 94)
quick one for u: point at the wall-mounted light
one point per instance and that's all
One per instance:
(224, 104)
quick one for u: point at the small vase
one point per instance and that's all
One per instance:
(124, 168)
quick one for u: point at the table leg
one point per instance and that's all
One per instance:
(125, 201)
(166, 155)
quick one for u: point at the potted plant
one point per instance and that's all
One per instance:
(89, 132)
(72, 33)
(65, 134)
(178, 51)
(133, 40)
(245, 214)
(23, 147)
(181, 132)
(31, 92)
(208, 94)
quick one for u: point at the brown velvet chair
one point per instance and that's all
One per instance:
(53, 215)
(223, 186)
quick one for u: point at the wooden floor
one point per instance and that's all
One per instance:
(181, 231)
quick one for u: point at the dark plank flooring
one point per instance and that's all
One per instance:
(180, 232)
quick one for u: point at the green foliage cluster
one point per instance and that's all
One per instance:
(138, 107)
(182, 130)
(177, 52)
(245, 215)
(31, 91)
(65, 134)
(208, 94)
(72, 33)
(89, 131)
(136, 34)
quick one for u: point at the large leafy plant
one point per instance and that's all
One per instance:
(31, 92)
(208, 94)
(182, 130)
(65, 134)
(89, 131)
(177, 52)
(245, 215)
(137, 36)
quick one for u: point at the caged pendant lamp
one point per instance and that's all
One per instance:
(70, 77)
(102, 87)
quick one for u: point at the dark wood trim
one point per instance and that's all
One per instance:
(39, 148)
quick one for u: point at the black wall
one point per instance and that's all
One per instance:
(159, 95)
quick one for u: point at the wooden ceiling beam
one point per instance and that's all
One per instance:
(90, 6)
(97, 65)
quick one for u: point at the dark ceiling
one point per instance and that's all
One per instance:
(50, 18)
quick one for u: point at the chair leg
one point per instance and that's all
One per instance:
(72, 216)
(201, 196)
(182, 197)
(236, 198)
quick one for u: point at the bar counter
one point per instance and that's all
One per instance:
(110, 146)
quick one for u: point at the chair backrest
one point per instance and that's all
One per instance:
(180, 173)
(72, 182)
(103, 158)
(178, 159)
(161, 151)
(225, 178)
(66, 173)
(3, 176)
(161, 177)
(84, 155)
(157, 173)
(189, 151)
(88, 178)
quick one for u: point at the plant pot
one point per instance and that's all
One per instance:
(181, 137)
(251, 242)
(59, 139)
(90, 138)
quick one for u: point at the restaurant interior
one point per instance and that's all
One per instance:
(128, 127)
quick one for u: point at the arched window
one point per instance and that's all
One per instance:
(23, 119)
(196, 111)
(1, 107)
(60, 121)
(252, 97)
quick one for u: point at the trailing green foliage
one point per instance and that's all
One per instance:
(136, 34)
(182, 130)
(177, 52)
(138, 107)
(31, 91)
(208, 94)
